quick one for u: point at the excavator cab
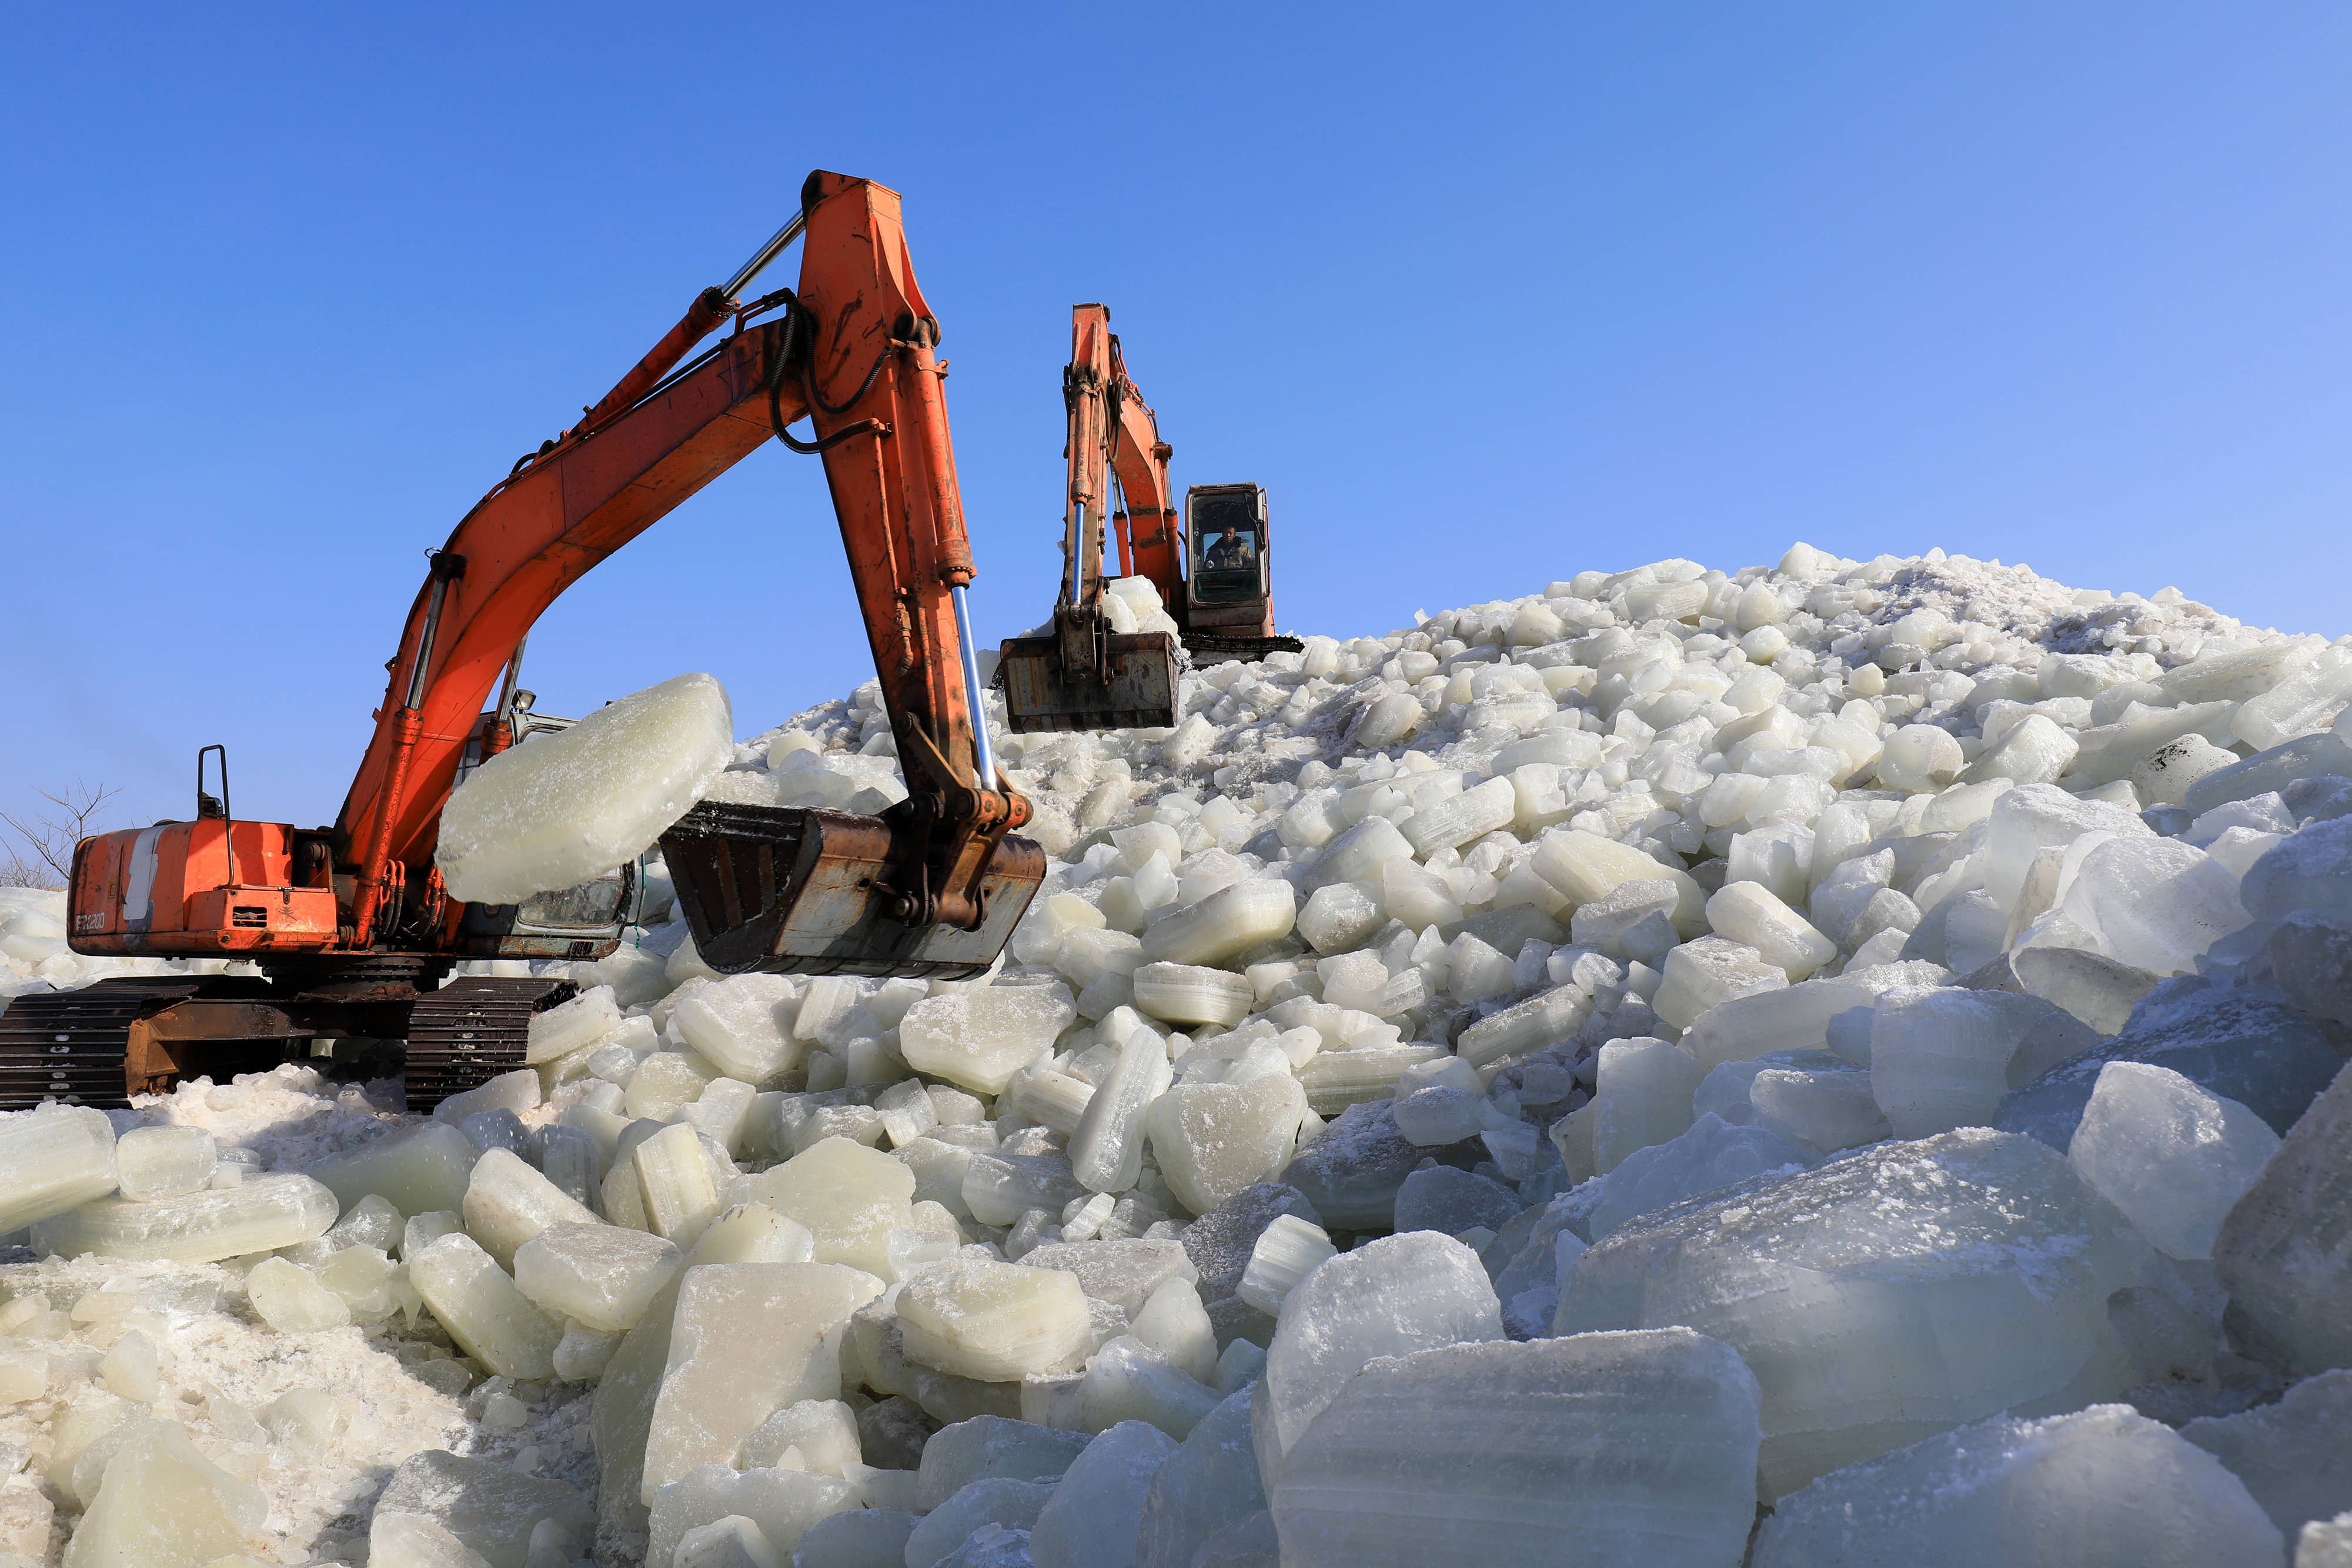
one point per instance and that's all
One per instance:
(1227, 589)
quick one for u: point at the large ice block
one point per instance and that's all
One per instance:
(1939, 1057)
(1643, 1097)
(1794, 1017)
(2155, 904)
(1710, 1155)
(51, 1160)
(1090, 1522)
(573, 804)
(570, 1025)
(743, 1025)
(979, 1038)
(165, 1162)
(1585, 866)
(163, 1505)
(1390, 1297)
(1128, 1380)
(2285, 1251)
(507, 1203)
(2173, 1157)
(1192, 993)
(1602, 1447)
(1884, 1296)
(604, 1276)
(489, 1319)
(994, 1321)
(291, 1301)
(1215, 1139)
(746, 1340)
(2290, 1455)
(418, 1170)
(674, 1185)
(849, 1196)
(2103, 1488)
(1709, 972)
(264, 1213)
(1232, 921)
(1747, 911)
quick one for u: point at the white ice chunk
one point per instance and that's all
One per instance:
(1106, 1152)
(2172, 1156)
(569, 806)
(163, 1505)
(1245, 915)
(507, 1203)
(490, 1319)
(849, 1196)
(2157, 903)
(1708, 973)
(291, 1301)
(743, 1026)
(422, 1169)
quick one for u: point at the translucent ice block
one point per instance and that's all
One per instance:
(991, 1447)
(1636, 1447)
(743, 1025)
(849, 1196)
(1215, 1139)
(1090, 1522)
(165, 1162)
(674, 1185)
(978, 1040)
(51, 1160)
(1287, 1250)
(2285, 1251)
(601, 1275)
(1211, 1481)
(291, 1301)
(2172, 1156)
(507, 1203)
(994, 1321)
(1388, 1297)
(746, 1340)
(162, 1504)
(1242, 916)
(420, 1170)
(1891, 1293)
(572, 805)
(488, 1318)
(491, 1507)
(266, 1213)
(1106, 1152)
(1191, 993)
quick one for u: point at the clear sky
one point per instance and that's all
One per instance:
(1484, 294)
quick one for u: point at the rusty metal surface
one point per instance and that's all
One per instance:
(1140, 693)
(470, 1030)
(788, 891)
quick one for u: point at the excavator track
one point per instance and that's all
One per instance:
(470, 1030)
(69, 1045)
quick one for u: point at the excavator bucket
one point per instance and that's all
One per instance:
(793, 891)
(1136, 689)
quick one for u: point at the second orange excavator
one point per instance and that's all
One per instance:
(350, 926)
(1211, 565)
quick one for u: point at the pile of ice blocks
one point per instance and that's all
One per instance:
(1839, 1062)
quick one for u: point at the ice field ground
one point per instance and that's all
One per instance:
(1839, 1063)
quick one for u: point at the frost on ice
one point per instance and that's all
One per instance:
(1850, 1036)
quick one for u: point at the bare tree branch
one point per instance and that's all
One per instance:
(52, 838)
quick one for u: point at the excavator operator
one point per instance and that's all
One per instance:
(1231, 548)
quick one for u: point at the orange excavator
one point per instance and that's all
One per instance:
(350, 925)
(1084, 675)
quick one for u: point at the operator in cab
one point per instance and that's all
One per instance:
(1230, 549)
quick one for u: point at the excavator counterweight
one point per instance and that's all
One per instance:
(350, 925)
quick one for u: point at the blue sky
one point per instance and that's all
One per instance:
(1484, 294)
